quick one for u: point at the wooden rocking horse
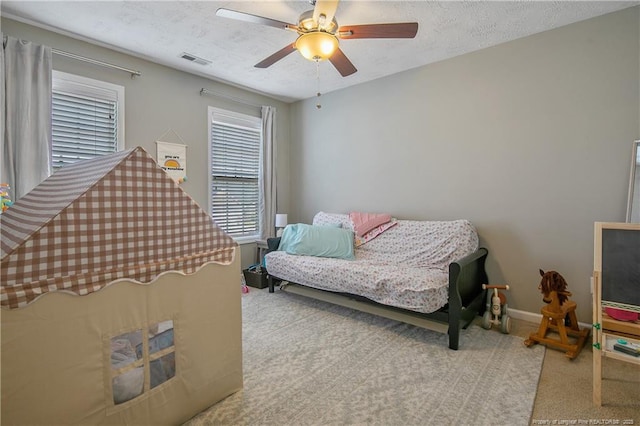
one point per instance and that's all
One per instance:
(559, 315)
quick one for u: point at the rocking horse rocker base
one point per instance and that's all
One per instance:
(556, 321)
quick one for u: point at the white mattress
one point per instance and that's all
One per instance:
(406, 267)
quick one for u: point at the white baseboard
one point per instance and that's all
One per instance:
(534, 318)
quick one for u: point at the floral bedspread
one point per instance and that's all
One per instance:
(407, 266)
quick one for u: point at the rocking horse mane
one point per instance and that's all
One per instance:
(553, 281)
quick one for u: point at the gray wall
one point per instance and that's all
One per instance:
(530, 140)
(162, 99)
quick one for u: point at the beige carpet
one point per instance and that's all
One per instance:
(308, 362)
(565, 389)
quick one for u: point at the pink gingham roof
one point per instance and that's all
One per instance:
(117, 216)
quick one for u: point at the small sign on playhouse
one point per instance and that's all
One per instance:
(172, 157)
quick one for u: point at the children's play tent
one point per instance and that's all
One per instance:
(120, 299)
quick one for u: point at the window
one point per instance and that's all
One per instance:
(87, 118)
(235, 168)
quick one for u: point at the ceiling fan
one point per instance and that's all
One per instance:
(318, 34)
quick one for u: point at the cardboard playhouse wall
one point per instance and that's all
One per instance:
(120, 299)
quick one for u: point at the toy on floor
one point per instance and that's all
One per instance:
(559, 314)
(243, 285)
(496, 309)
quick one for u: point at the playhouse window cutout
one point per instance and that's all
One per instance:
(162, 360)
(132, 352)
(127, 368)
(162, 369)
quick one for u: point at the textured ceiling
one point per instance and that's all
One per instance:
(161, 30)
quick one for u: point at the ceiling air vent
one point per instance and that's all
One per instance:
(194, 58)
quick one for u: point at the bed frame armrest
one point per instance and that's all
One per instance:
(466, 295)
(467, 275)
(272, 244)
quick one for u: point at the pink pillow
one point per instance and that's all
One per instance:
(365, 222)
(373, 233)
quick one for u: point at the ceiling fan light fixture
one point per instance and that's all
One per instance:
(317, 45)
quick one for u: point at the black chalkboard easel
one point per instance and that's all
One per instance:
(616, 284)
(621, 266)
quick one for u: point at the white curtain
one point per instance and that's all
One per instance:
(25, 121)
(267, 181)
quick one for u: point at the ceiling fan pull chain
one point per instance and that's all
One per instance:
(318, 105)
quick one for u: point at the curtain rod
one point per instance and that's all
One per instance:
(204, 91)
(133, 73)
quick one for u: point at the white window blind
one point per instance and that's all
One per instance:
(86, 119)
(235, 168)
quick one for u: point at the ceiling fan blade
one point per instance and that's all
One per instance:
(328, 9)
(254, 19)
(267, 62)
(399, 30)
(342, 63)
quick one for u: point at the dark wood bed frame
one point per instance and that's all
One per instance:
(466, 297)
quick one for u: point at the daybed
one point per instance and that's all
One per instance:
(426, 273)
(120, 299)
